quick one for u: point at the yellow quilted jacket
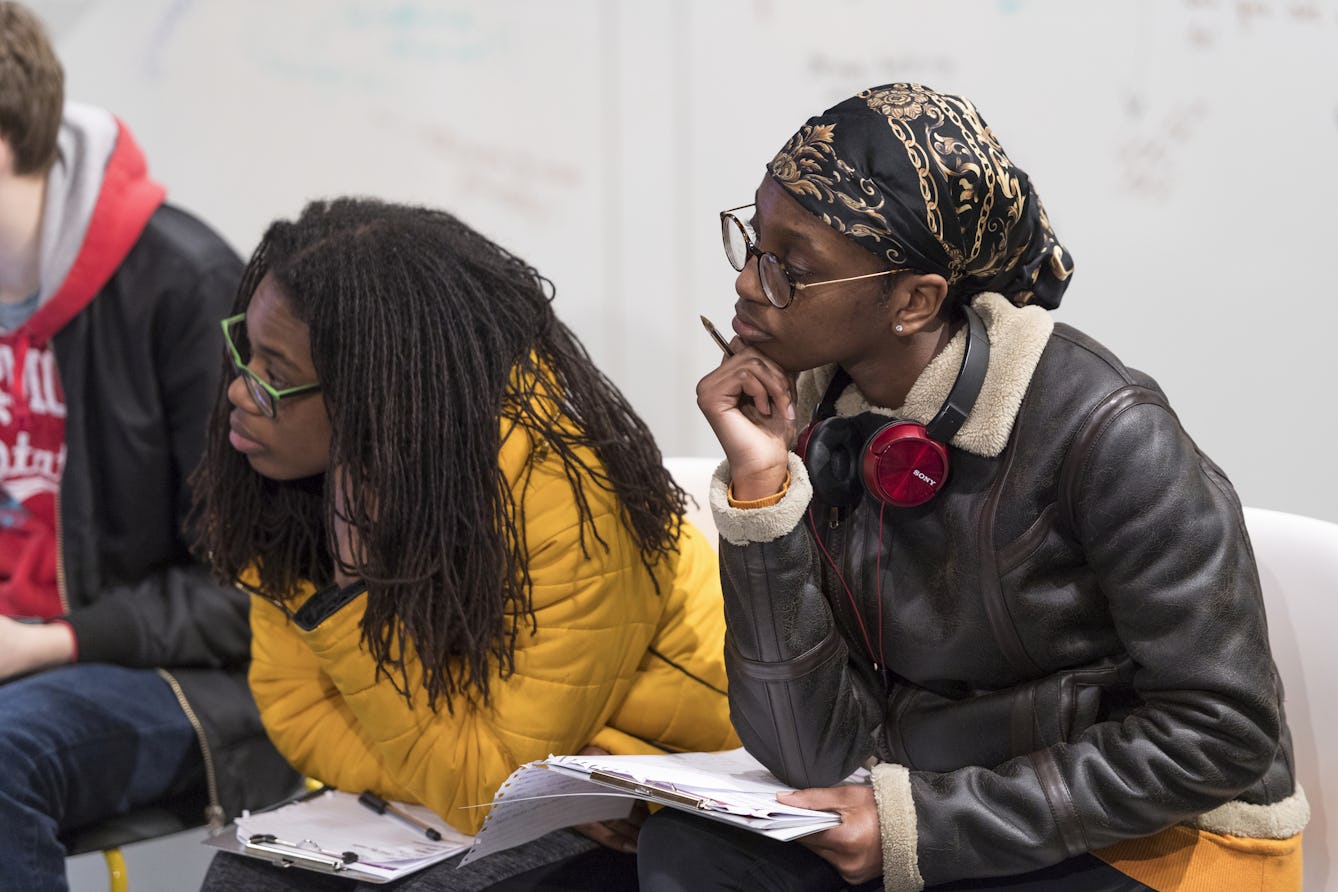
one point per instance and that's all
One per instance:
(612, 663)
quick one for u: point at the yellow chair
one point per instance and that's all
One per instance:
(141, 825)
(151, 822)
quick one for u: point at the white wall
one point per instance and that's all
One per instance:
(1184, 149)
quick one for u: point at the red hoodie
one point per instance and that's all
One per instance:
(32, 403)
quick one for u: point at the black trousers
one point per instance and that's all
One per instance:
(677, 852)
(562, 861)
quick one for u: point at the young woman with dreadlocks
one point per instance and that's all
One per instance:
(463, 548)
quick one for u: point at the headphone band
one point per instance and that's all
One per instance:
(826, 408)
(961, 398)
(970, 377)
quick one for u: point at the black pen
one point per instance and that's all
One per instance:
(381, 807)
(715, 336)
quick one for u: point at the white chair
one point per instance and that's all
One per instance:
(693, 473)
(1298, 567)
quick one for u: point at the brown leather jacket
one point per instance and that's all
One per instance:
(1071, 634)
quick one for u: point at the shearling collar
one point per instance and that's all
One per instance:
(1018, 335)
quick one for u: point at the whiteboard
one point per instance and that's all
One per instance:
(1184, 150)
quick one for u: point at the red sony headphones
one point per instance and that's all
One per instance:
(899, 462)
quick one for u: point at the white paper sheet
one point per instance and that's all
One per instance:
(534, 801)
(729, 786)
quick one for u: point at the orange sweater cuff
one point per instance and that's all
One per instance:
(764, 502)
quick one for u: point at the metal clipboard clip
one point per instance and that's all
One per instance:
(663, 792)
(297, 854)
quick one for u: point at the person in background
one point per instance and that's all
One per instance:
(464, 549)
(123, 663)
(992, 562)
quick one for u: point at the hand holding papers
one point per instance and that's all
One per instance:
(331, 832)
(560, 791)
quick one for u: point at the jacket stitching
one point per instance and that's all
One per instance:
(991, 587)
(1060, 800)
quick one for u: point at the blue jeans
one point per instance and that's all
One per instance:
(78, 744)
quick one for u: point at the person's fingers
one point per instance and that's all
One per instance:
(817, 798)
(640, 812)
(854, 846)
(725, 384)
(607, 836)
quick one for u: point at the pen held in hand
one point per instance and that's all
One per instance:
(382, 807)
(716, 336)
(744, 400)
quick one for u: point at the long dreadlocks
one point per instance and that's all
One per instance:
(424, 335)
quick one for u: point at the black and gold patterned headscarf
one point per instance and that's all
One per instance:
(916, 177)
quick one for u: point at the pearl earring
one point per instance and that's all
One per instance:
(899, 329)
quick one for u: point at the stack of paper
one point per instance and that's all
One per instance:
(315, 832)
(560, 791)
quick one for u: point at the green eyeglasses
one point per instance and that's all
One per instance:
(265, 396)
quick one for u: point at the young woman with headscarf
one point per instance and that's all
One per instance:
(1001, 573)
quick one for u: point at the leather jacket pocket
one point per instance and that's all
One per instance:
(931, 732)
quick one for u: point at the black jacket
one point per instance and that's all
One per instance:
(1072, 635)
(140, 368)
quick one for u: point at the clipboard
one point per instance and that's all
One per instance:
(665, 794)
(282, 854)
(291, 854)
(729, 786)
(303, 850)
(726, 809)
